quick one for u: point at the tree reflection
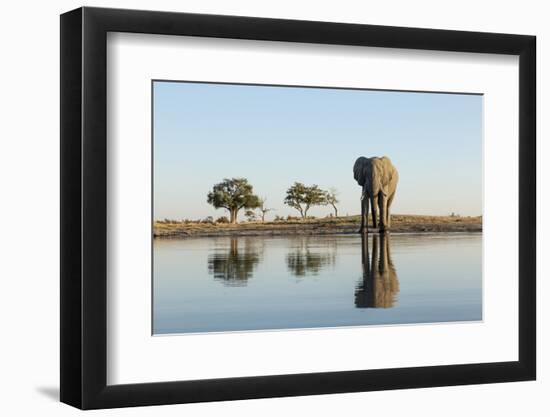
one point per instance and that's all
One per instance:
(236, 266)
(379, 286)
(309, 258)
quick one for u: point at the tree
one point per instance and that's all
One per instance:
(263, 209)
(331, 198)
(302, 197)
(233, 194)
(250, 215)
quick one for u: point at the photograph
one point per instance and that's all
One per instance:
(279, 207)
(259, 204)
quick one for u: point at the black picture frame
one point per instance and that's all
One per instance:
(84, 207)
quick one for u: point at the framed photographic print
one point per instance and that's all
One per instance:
(258, 207)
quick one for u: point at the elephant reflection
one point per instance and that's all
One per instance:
(380, 284)
(308, 258)
(236, 266)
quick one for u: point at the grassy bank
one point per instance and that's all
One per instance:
(329, 225)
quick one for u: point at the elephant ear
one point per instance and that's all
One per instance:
(360, 170)
(390, 175)
(388, 170)
(393, 175)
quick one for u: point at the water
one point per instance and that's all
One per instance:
(260, 283)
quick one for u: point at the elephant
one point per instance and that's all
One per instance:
(379, 178)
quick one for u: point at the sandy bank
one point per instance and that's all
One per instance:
(343, 225)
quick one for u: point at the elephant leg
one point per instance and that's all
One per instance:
(364, 212)
(365, 217)
(382, 200)
(388, 215)
(374, 204)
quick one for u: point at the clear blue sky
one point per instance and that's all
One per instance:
(274, 136)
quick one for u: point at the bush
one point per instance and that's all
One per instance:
(208, 219)
(290, 218)
(222, 219)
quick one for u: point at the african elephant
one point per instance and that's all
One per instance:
(379, 178)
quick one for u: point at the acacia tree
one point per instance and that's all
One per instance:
(263, 209)
(302, 197)
(233, 194)
(331, 197)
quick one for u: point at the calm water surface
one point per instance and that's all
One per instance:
(259, 283)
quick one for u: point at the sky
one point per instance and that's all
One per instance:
(274, 136)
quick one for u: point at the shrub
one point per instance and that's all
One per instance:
(222, 219)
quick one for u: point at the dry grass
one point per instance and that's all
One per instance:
(348, 224)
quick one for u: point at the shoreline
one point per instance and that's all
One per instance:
(325, 226)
